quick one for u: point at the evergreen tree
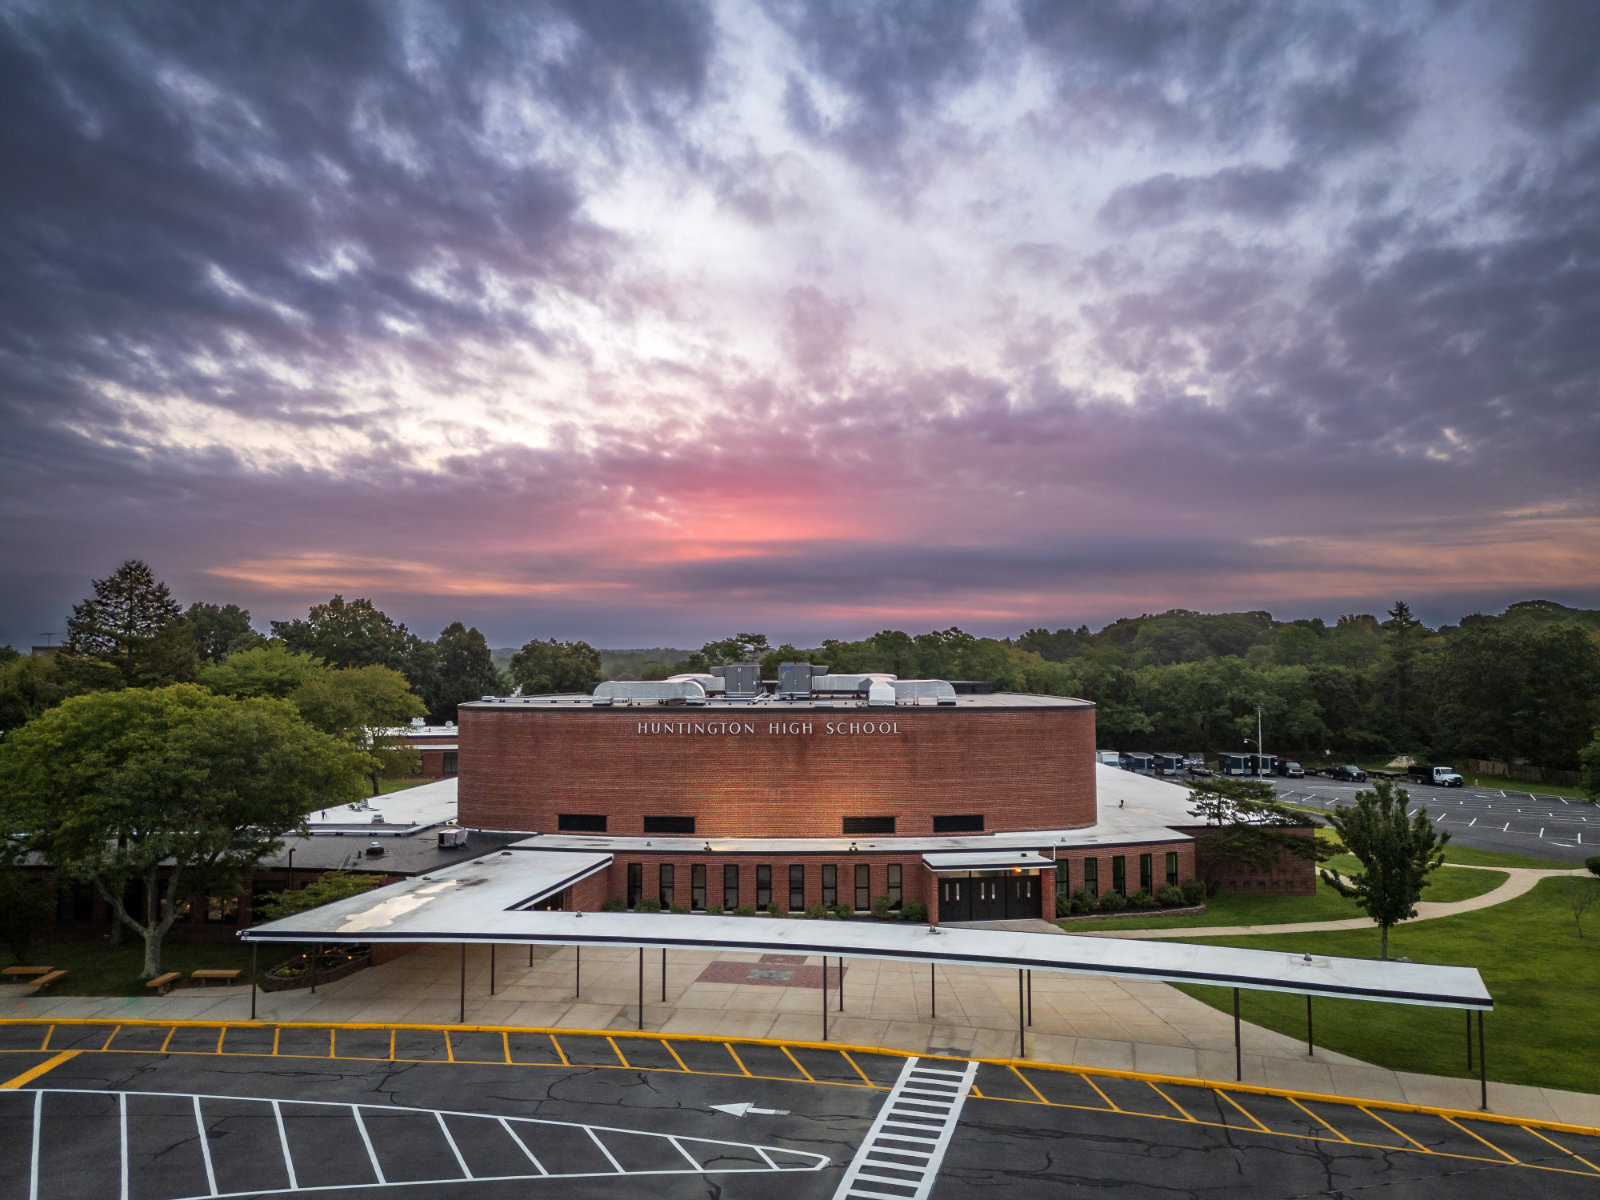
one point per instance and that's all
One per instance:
(133, 624)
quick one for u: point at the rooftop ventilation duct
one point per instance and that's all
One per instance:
(881, 694)
(856, 684)
(711, 684)
(634, 691)
(913, 691)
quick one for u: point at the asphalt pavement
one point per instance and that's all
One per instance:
(352, 1112)
(1484, 818)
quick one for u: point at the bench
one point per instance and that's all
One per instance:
(24, 972)
(44, 981)
(162, 982)
(215, 973)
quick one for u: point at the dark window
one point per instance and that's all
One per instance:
(1147, 872)
(1172, 867)
(1091, 875)
(635, 883)
(581, 822)
(830, 885)
(74, 904)
(1063, 877)
(863, 887)
(222, 909)
(894, 885)
(449, 762)
(763, 885)
(1119, 874)
(797, 888)
(959, 823)
(859, 825)
(669, 824)
(697, 887)
(668, 877)
(730, 886)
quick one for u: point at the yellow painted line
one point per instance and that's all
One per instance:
(1563, 1149)
(168, 1038)
(1248, 1113)
(48, 1034)
(505, 1042)
(674, 1054)
(392, 1032)
(1109, 1103)
(560, 1053)
(1318, 1119)
(222, 1032)
(797, 1065)
(858, 1070)
(333, 1035)
(449, 1050)
(978, 1094)
(1184, 1112)
(276, 1034)
(111, 1038)
(728, 1046)
(32, 1073)
(1485, 1141)
(1029, 1086)
(1403, 1134)
(620, 1054)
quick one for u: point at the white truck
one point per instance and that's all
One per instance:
(1438, 776)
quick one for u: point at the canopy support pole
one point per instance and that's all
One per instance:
(1310, 1046)
(1030, 995)
(1022, 1030)
(840, 961)
(577, 972)
(1238, 1052)
(463, 983)
(1469, 1039)
(316, 953)
(663, 974)
(824, 997)
(933, 994)
(491, 968)
(253, 948)
(1483, 1068)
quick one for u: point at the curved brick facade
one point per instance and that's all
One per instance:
(777, 772)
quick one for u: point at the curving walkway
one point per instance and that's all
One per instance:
(1521, 881)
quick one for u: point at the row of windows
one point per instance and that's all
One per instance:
(850, 826)
(1119, 874)
(857, 882)
(75, 905)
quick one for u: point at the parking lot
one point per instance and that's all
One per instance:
(168, 1112)
(1485, 818)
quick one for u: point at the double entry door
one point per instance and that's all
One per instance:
(1000, 896)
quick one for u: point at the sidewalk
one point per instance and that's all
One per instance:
(1077, 1020)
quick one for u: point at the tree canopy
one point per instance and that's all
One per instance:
(132, 625)
(166, 793)
(347, 634)
(551, 666)
(464, 671)
(1397, 853)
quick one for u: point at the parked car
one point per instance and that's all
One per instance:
(1350, 772)
(1439, 776)
(1108, 758)
(1290, 769)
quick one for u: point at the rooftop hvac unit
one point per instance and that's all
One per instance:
(794, 679)
(374, 849)
(742, 679)
(452, 837)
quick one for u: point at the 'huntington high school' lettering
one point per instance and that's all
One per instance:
(739, 728)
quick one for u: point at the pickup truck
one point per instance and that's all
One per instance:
(1438, 776)
(1349, 772)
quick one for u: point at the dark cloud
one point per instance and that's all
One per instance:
(1556, 78)
(1250, 192)
(1365, 96)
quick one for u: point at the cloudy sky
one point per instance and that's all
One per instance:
(644, 322)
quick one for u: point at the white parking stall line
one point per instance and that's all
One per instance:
(122, 1120)
(934, 1120)
(466, 1171)
(283, 1140)
(676, 1145)
(205, 1147)
(537, 1165)
(366, 1140)
(595, 1137)
(33, 1169)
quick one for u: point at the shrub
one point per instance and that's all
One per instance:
(647, 904)
(1082, 901)
(774, 911)
(816, 911)
(614, 904)
(1194, 891)
(1063, 904)
(1170, 895)
(1141, 899)
(745, 910)
(713, 910)
(843, 911)
(913, 912)
(880, 907)
(680, 909)
(1113, 902)
(1593, 864)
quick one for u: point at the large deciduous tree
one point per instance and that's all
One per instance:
(348, 634)
(134, 626)
(220, 629)
(464, 671)
(1397, 854)
(167, 794)
(551, 666)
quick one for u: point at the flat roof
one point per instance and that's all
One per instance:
(489, 899)
(400, 812)
(579, 702)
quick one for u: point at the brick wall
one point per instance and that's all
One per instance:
(1020, 769)
(1288, 874)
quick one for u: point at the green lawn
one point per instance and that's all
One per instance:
(1326, 905)
(95, 968)
(1493, 858)
(1542, 975)
(385, 786)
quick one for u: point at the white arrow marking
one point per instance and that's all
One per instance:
(743, 1107)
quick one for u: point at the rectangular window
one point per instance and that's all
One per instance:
(222, 909)
(863, 887)
(1091, 876)
(894, 885)
(797, 888)
(667, 880)
(1119, 874)
(697, 887)
(958, 823)
(830, 885)
(1172, 867)
(75, 904)
(450, 762)
(1147, 872)
(580, 822)
(763, 885)
(860, 825)
(1063, 877)
(635, 883)
(730, 887)
(684, 825)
